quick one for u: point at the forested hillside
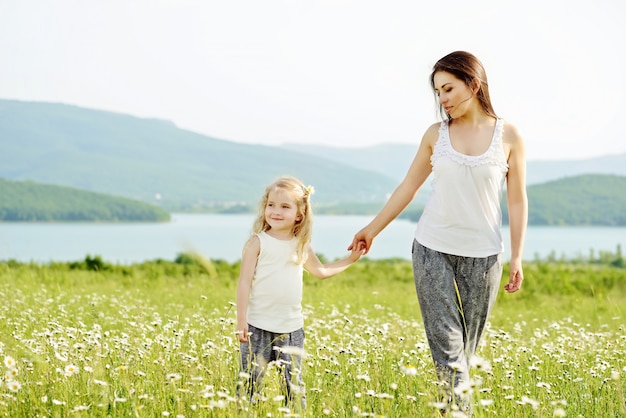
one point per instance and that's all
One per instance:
(580, 200)
(31, 202)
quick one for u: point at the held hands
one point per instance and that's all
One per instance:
(361, 242)
(356, 252)
(516, 277)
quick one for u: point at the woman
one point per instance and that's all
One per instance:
(457, 251)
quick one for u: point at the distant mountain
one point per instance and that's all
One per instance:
(392, 160)
(25, 201)
(154, 161)
(592, 199)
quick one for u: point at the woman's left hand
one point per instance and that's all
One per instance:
(516, 277)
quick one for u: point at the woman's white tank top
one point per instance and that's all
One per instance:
(462, 215)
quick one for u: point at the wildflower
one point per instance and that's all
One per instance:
(464, 389)
(480, 364)
(9, 362)
(71, 369)
(173, 376)
(409, 370)
(438, 405)
(58, 402)
(292, 351)
(559, 412)
(455, 366)
(531, 402)
(486, 402)
(14, 385)
(79, 408)
(544, 385)
(100, 382)
(10, 374)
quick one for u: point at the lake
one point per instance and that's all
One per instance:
(223, 236)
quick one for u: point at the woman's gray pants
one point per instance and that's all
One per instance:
(455, 296)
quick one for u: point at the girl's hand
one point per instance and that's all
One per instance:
(361, 242)
(357, 251)
(242, 332)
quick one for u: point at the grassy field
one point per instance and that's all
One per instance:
(90, 339)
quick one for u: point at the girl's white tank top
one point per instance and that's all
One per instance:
(275, 302)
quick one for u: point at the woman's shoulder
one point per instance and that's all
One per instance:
(432, 133)
(510, 133)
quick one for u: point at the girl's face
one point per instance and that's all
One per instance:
(454, 95)
(281, 212)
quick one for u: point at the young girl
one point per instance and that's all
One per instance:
(269, 293)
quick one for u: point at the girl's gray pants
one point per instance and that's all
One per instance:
(286, 350)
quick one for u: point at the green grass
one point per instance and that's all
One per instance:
(92, 339)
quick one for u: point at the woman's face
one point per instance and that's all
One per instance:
(454, 95)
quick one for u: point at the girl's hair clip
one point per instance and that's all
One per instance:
(308, 191)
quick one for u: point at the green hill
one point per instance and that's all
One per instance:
(32, 202)
(141, 158)
(593, 199)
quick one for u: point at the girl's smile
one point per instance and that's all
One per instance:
(281, 213)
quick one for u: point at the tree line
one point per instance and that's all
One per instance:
(26, 201)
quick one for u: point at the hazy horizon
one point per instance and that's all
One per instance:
(344, 73)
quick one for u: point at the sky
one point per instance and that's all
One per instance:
(346, 73)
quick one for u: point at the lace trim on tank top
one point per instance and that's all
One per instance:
(493, 156)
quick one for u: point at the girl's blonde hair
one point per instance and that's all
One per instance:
(303, 228)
